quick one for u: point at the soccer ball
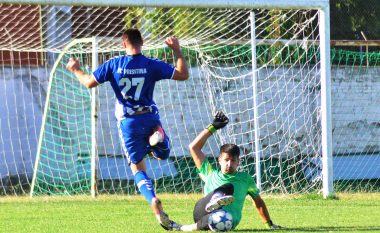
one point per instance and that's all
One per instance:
(220, 220)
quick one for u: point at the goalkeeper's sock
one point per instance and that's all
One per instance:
(145, 186)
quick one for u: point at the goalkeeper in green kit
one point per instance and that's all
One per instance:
(226, 188)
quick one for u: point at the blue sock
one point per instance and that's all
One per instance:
(145, 186)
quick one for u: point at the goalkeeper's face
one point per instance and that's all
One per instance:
(228, 163)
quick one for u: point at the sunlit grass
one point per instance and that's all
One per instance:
(301, 213)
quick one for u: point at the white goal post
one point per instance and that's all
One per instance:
(300, 51)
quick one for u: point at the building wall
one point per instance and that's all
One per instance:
(20, 29)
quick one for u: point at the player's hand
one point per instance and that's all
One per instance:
(274, 226)
(271, 225)
(172, 42)
(73, 65)
(220, 120)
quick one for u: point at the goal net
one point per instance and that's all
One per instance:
(260, 65)
(277, 89)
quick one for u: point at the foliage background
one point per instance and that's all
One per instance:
(348, 18)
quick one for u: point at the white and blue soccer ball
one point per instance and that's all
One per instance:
(220, 220)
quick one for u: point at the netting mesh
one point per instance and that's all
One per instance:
(218, 45)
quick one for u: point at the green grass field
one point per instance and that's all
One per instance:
(129, 214)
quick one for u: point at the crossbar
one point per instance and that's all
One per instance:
(265, 4)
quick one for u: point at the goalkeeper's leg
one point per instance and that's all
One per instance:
(219, 197)
(214, 200)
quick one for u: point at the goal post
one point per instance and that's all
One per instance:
(55, 168)
(94, 118)
(255, 108)
(327, 164)
(265, 63)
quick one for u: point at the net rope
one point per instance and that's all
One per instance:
(218, 47)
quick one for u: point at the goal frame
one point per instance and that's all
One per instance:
(324, 30)
(94, 115)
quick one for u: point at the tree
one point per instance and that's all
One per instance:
(351, 17)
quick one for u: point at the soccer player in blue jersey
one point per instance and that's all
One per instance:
(224, 188)
(132, 78)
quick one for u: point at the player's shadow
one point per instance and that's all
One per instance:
(316, 229)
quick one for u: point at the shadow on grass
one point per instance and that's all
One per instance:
(316, 229)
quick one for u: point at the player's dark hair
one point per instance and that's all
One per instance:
(231, 149)
(133, 36)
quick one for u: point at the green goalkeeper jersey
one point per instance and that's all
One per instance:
(243, 184)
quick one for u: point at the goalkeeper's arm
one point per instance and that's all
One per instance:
(220, 121)
(264, 213)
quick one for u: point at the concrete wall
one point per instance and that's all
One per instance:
(185, 109)
(22, 95)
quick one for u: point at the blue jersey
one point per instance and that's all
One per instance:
(133, 78)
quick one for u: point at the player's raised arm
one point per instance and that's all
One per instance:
(181, 70)
(87, 80)
(220, 120)
(196, 147)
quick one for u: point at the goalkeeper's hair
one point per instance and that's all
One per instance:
(231, 149)
(133, 36)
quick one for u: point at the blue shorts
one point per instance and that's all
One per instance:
(134, 132)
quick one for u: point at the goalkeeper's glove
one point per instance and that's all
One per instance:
(271, 225)
(220, 121)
